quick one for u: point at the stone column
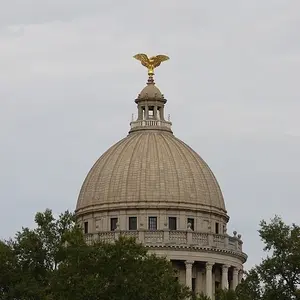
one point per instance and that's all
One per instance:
(146, 112)
(155, 112)
(140, 113)
(235, 278)
(209, 279)
(225, 277)
(188, 273)
(162, 113)
(158, 114)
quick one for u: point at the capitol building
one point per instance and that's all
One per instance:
(152, 186)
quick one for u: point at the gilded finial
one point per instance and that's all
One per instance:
(151, 62)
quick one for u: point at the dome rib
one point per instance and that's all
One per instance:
(141, 170)
(160, 166)
(187, 164)
(88, 181)
(207, 169)
(114, 184)
(199, 168)
(180, 190)
(130, 165)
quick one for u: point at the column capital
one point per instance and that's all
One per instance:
(189, 263)
(225, 267)
(209, 265)
(236, 270)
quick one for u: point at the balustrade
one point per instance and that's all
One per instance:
(171, 237)
(219, 240)
(146, 123)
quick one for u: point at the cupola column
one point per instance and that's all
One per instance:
(155, 112)
(140, 113)
(158, 113)
(146, 112)
(161, 111)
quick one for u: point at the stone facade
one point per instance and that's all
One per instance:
(155, 188)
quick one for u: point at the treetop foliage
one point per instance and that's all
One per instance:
(53, 261)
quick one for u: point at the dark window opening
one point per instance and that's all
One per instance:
(217, 228)
(132, 223)
(193, 285)
(172, 223)
(217, 285)
(86, 227)
(152, 225)
(113, 223)
(192, 222)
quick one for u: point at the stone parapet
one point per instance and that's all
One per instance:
(173, 238)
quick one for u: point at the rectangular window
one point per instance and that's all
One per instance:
(152, 225)
(172, 223)
(192, 222)
(86, 227)
(132, 223)
(217, 228)
(113, 223)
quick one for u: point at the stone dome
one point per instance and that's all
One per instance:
(150, 91)
(150, 168)
(154, 188)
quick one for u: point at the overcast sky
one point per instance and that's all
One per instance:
(68, 84)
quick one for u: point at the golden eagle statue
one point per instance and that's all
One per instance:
(152, 62)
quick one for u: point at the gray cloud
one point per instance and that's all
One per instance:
(67, 85)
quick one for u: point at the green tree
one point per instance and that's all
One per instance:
(280, 271)
(34, 254)
(278, 276)
(53, 261)
(250, 288)
(8, 271)
(226, 295)
(122, 270)
(200, 296)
